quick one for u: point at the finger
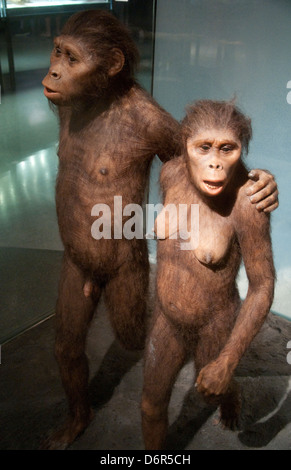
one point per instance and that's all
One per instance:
(257, 174)
(257, 186)
(199, 386)
(198, 379)
(267, 202)
(271, 208)
(201, 389)
(253, 175)
(264, 183)
(262, 179)
(263, 194)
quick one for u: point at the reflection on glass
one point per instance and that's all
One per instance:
(29, 236)
(46, 3)
(27, 205)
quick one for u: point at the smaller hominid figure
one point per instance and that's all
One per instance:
(198, 309)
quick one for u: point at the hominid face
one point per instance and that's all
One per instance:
(212, 158)
(70, 73)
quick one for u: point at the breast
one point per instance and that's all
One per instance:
(213, 248)
(216, 236)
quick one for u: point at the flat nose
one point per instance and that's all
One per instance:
(215, 166)
(54, 73)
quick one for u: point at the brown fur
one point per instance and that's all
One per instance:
(106, 146)
(110, 130)
(198, 310)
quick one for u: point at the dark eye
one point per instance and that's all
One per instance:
(57, 51)
(226, 148)
(72, 59)
(205, 147)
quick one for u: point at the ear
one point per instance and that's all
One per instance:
(117, 62)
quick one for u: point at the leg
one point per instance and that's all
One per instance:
(165, 356)
(73, 314)
(126, 299)
(212, 338)
(230, 406)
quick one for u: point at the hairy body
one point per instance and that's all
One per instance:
(108, 156)
(105, 150)
(110, 131)
(198, 310)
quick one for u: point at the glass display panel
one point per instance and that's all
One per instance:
(48, 3)
(220, 49)
(30, 246)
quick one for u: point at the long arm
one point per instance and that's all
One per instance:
(169, 144)
(253, 233)
(163, 131)
(172, 178)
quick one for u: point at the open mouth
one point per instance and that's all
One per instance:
(48, 92)
(214, 184)
(213, 188)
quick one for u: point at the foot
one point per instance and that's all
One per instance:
(66, 435)
(230, 412)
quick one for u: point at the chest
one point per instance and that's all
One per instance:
(211, 235)
(215, 236)
(103, 151)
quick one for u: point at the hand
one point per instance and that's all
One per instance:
(214, 378)
(264, 192)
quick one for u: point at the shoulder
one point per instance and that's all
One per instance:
(246, 215)
(243, 202)
(150, 108)
(173, 172)
(139, 95)
(138, 98)
(152, 123)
